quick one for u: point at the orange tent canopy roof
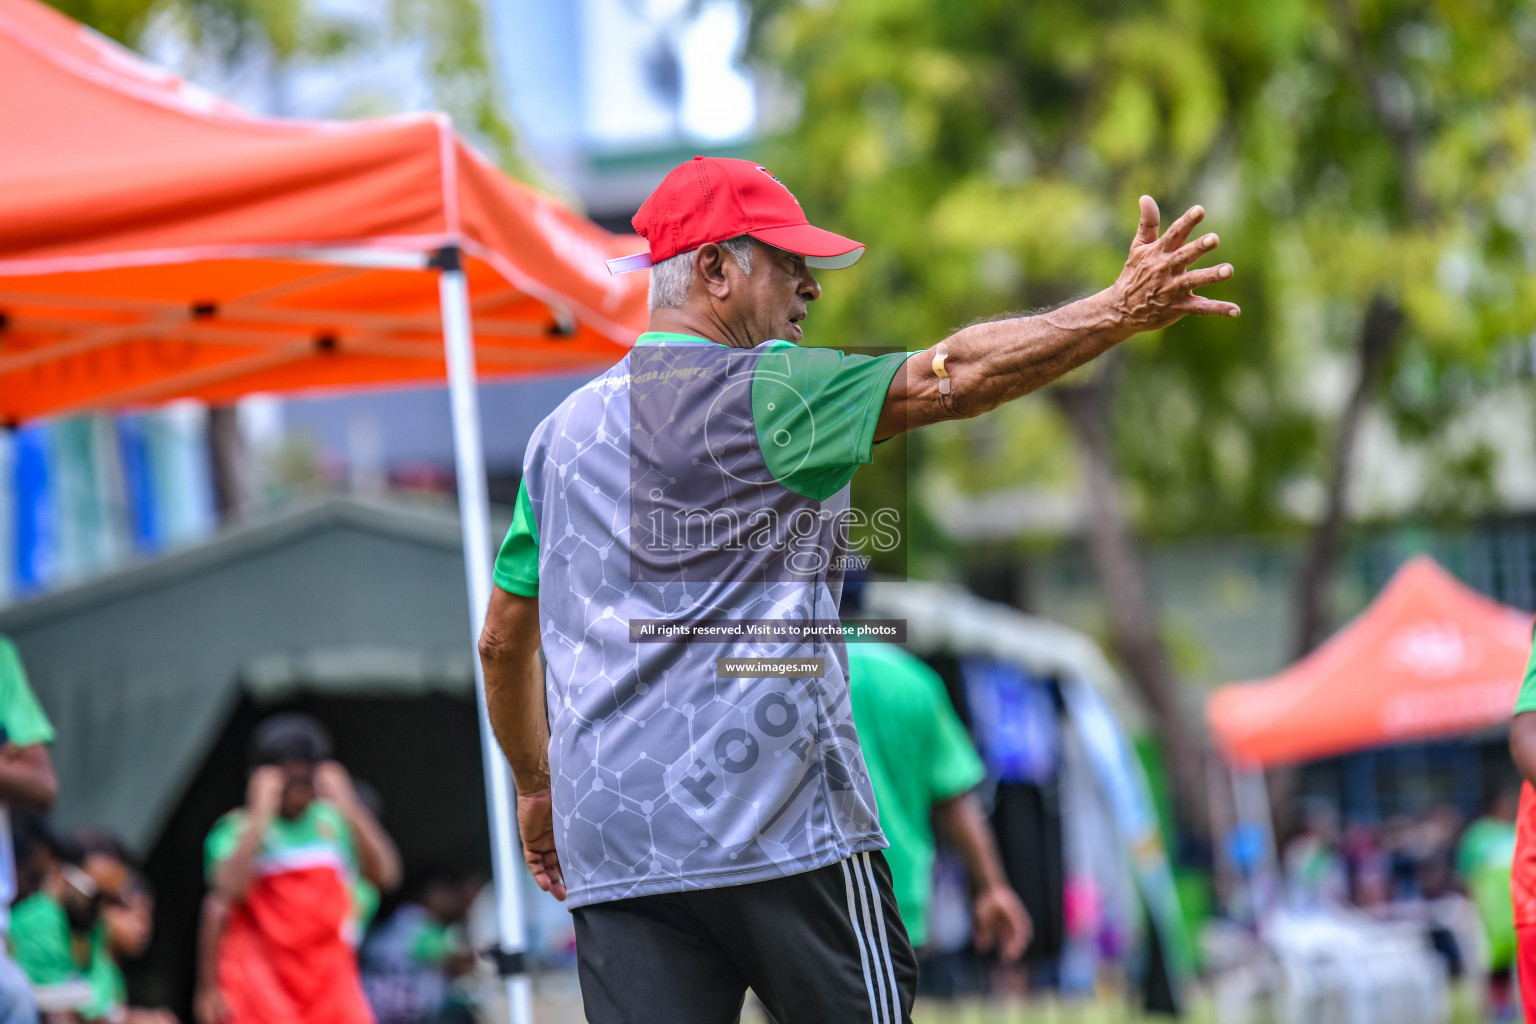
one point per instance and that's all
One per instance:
(156, 242)
(1429, 657)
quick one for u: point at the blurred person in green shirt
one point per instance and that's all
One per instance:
(26, 780)
(1484, 859)
(411, 962)
(923, 768)
(67, 935)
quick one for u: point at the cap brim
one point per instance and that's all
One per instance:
(624, 264)
(822, 249)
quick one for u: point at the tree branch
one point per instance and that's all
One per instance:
(1133, 628)
(1379, 332)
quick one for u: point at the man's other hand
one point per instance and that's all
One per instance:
(1156, 288)
(1000, 922)
(536, 823)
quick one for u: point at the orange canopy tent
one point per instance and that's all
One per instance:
(158, 243)
(1429, 657)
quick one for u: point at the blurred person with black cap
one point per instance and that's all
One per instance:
(276, 944)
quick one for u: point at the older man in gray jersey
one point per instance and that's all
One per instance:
(701, 801)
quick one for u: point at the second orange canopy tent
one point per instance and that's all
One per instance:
(1429, 657)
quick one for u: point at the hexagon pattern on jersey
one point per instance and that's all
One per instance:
(665, 777)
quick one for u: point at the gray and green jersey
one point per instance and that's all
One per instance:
(692, 483)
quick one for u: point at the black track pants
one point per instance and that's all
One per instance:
(821, 947)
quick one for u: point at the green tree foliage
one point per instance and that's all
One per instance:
(1405, 132)
(992, 153)
(1367, 164)
(122, 20)
(457, 60)
(224, 26)
(463, 78)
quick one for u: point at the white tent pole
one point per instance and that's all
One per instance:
(474, 520)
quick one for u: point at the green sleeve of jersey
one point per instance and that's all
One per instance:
(39, 941)
(221, 842)
(954, 767)
(1527, 699)
(517, 563)
(20, 713)
(815, 411)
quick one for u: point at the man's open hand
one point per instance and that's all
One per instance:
(1156, 288)
(536, 823)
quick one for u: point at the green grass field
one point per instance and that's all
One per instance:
(559, 1002)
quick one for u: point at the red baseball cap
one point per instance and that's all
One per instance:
(711, 199)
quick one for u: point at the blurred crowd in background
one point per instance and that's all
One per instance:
(1437, 869)
(295, 880)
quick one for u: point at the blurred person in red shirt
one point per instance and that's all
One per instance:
(276, 943)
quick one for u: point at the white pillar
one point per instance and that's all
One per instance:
(474, 519)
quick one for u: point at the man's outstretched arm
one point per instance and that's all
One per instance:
(514, 696)
(995, 362)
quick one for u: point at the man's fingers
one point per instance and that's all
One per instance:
(1198, 305)
(556, 878)
(1204, 276)
(550, 881)
(1181, 228)
(1194, 250)
(544, 866)
(1146, 231)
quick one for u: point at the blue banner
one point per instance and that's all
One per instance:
(36, 540)
(139, 486)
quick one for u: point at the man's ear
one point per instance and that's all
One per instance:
(709, 263)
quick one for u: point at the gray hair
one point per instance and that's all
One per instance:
(671, 277)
